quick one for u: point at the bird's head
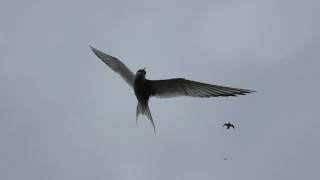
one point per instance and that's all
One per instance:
(141, 72)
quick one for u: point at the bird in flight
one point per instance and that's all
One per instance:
(166, 88)
(228, 125)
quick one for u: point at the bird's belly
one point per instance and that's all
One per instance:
(141, 91)
(141, 94)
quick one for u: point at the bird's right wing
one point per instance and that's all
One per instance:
(183, 87)
(116, 65)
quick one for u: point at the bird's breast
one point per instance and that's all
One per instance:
(141, 89)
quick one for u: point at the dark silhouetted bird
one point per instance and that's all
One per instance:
(144, 88)
(228, 125)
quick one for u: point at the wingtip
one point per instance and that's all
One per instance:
(95, 51)
(246, 91)
(92, 48)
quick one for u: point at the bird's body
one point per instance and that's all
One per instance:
(141, 87)
(228, 125)
(144, 88)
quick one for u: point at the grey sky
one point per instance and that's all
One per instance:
(65, 115)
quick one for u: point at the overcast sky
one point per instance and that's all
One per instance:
(64, 115)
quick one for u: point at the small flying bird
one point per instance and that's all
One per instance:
(228, 125)
(166, 88)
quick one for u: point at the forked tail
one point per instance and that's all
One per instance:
(143, 108)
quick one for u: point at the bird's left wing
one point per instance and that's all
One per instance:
(183, 87)
(116, 65)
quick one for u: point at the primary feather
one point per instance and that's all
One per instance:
(184, 87)
(116, 65)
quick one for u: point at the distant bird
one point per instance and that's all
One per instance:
(228, 125)
(144, 88)
(225, 158)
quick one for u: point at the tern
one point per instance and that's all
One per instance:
(166, 88)
(228, 125)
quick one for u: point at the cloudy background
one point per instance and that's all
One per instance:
(65, 115)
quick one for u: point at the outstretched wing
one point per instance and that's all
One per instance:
(116, 65)
(183, 87)
(232, 126)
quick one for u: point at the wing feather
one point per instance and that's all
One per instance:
(184, 87)
(116, 65)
